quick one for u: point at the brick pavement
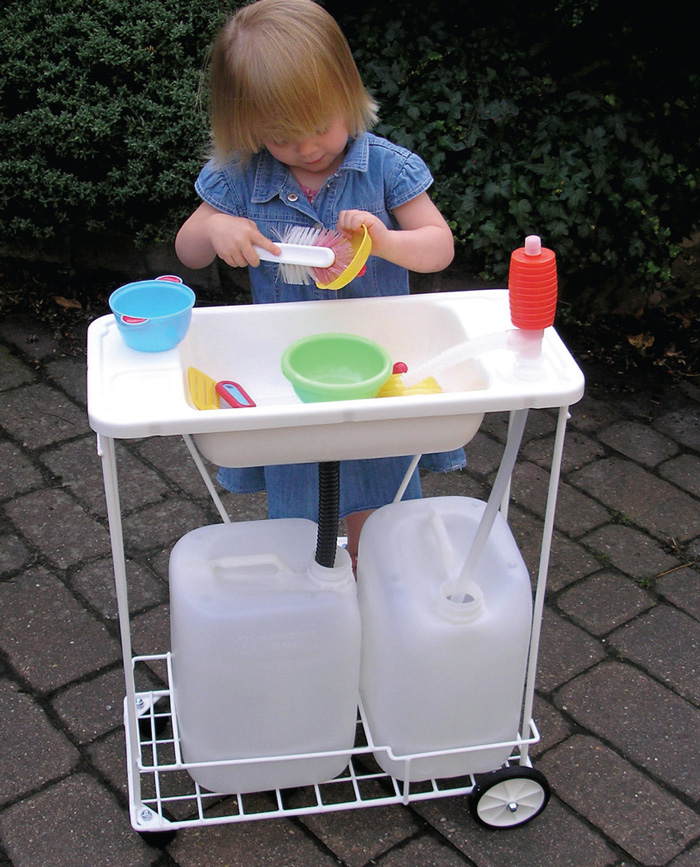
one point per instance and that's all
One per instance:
(618, 699)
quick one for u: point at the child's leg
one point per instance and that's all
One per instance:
(353, 527)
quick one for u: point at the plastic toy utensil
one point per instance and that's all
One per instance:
(362, 245)
(202, 389)
(234, 394)
(395, 386)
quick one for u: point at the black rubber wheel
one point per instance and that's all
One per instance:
(157, 839)
(509, 797)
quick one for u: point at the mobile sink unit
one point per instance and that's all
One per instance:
(483, 364)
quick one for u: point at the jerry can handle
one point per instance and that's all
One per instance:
(248, 561)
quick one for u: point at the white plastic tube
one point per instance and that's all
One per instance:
(505, 471)
(455, 355)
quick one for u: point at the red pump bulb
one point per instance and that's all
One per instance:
(532, 285)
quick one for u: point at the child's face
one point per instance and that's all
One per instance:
(319, 153)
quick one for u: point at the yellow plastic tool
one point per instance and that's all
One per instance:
(394, 387)
(361, 243)
(202, 389)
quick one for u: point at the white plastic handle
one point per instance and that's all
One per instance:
(248, 561)
(299, 254)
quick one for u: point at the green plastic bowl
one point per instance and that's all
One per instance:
(336, 367)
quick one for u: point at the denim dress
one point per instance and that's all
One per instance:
(376, 176)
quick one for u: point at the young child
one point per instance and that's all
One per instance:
(290, 119)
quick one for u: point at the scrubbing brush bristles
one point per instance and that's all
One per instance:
(311, 255)
(320, 239)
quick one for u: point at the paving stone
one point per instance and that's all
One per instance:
(556, 837)
(246, 507)
(172, 458)
(666, 643)
(568, 560)
(579, 450)
(459, 483)
(13, 554)
(71, 374)
(539, 424)
(162, 524)
(683, 471)
(690, 858)
(626, 490)
(551, 724)
(39, 415)
(108, 756)
(639, 815)
(591, 414)
(150, 631)
(78, 469)
(357, 837)
(484, 453)
(32, 751)
(13, 371)
(24, 476)
(565, 651)
(645, 721)
(33, 340)
(682, 425)
(641, 497)
(94, 582)
(639, 442)
(682, 588)
(47, 635)
(268, 843)
(58, 527)
(426, 852)
(604, 601)
(94, 707)
(630, 551)
(74, 823)
(576, 513)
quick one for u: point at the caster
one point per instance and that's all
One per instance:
(509, 797)
(157, 839)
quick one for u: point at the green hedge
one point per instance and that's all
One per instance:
(561, 121)
(102, 127)
(555, 119)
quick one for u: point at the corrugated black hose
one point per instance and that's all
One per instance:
(328, 509)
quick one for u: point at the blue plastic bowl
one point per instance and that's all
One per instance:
(152, 315)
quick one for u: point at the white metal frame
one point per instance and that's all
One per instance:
(157, 775)
(162, 795)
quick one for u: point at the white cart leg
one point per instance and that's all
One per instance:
(545, 550)
(213, 493)
(105, 450)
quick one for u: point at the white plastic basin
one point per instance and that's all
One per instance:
(132, 394)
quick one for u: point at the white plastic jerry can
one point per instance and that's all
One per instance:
(265, 655)
(439, 675)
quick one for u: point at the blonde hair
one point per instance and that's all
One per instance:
(280, 70)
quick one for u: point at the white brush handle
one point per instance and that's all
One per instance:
(299, 254)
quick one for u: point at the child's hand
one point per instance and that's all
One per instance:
(233, 240)
(350, 222)
(209, 233)
(422, 242)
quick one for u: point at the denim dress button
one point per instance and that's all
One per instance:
(292, 197)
